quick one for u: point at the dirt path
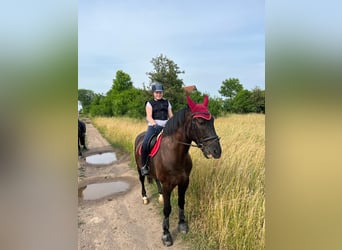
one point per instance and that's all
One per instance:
(119, 220)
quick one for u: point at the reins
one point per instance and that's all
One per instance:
(189, 144)
(200, 145)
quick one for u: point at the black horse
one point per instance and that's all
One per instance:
(172, 164)
(81, 136)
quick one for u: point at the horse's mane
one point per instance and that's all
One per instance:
(175, 121)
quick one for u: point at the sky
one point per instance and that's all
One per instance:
(210, 40)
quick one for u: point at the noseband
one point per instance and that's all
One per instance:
(211, 138)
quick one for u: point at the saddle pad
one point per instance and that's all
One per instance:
(155, 148)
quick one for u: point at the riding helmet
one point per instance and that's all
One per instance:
(156, 86)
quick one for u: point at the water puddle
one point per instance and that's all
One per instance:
(99, 190)
(104, 158)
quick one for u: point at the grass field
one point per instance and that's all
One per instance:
(225, 201)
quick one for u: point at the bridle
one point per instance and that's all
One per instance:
(200, 142)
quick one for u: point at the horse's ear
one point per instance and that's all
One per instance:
(205, 101)
(190, 102)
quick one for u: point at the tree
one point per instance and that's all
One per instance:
(122, 81)
(258, 98)
(242, 102)
(86, 97)
(97, 107)
(230, 88)
(215, 106)
(117, 100)
(167, 73)
(135, 106)
(129, 103)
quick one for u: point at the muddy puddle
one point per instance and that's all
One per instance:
(100, 190)
(102, 158)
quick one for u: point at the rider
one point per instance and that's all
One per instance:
(158, 111)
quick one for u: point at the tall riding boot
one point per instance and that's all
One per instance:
(144, 168)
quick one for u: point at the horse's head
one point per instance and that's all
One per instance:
(202, 129)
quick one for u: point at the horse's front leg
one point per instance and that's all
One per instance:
(182, 224)
(167, 238)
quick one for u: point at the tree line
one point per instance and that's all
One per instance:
(123, 99)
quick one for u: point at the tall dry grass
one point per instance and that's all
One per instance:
(225, 201)
(120, 132)
(226, 198)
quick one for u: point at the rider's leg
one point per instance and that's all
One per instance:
(144, 150)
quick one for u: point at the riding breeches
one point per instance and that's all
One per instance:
(149, 133)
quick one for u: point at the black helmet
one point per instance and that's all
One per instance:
(156, 86)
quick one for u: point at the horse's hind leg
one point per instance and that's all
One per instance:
(143, 190)
(161, 200)
(182, 224)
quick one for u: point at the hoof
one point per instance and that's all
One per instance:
(145, 200)
(160, 199)
(167, 240)
(183, 228)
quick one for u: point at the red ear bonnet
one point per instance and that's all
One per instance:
(199, 110)
(205, 101)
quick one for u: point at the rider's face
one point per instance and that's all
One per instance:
(158, 95)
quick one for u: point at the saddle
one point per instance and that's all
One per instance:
(153, 144)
